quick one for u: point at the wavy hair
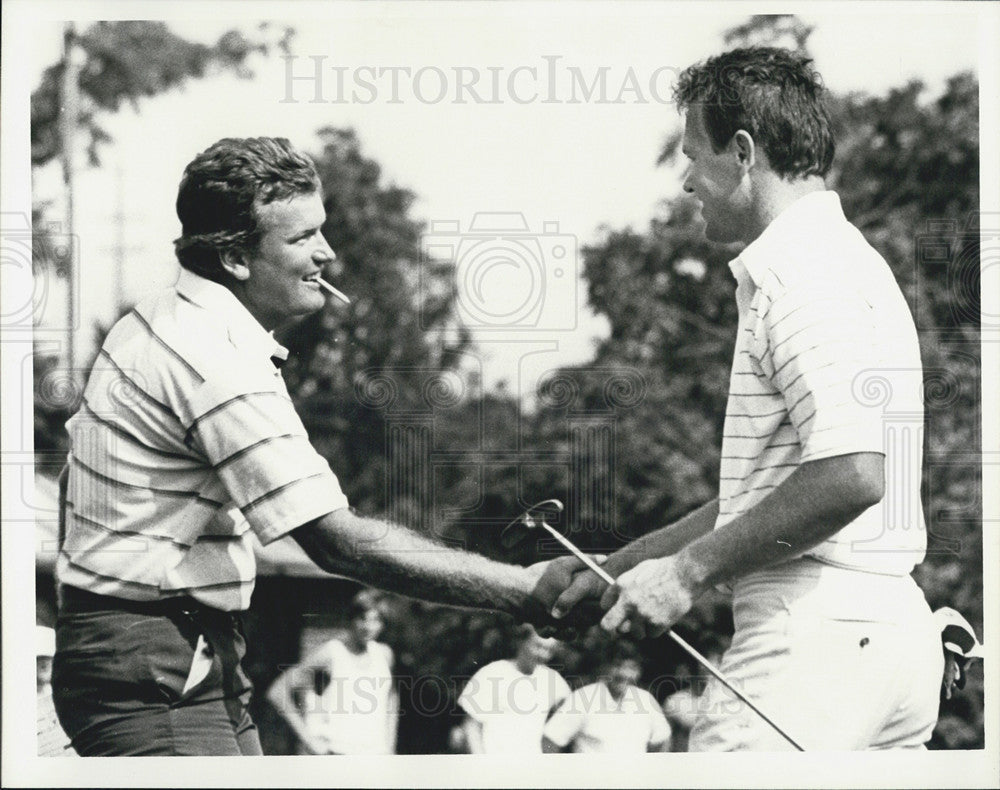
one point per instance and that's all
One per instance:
(220, 191)
(772, 94)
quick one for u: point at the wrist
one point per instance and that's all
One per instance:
(623, 560)
(523, 604)
(692, 572)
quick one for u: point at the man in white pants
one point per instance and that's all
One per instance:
(833, 638)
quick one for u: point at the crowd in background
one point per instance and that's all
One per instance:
(342, 696)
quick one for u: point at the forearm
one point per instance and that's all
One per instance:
(549, 746)
(811, 505)
(400, 560)
(392, 721)
(666, 540)
(280, 696)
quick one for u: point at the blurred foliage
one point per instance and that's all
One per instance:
(126, 61)
(388, 351)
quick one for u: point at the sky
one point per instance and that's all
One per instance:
(561, 165)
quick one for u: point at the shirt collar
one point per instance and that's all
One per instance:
(611, 697)
(797, 225)
(245, 332)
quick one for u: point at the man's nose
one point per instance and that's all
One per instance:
(324, 254)
(686, 184)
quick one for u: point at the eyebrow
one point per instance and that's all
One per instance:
(306, 232)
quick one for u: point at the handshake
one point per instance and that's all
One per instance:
(568, 596)
(575, 592)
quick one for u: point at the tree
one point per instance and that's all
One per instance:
(126, 61)
(353, 366)
(776, 30)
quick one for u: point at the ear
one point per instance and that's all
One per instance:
(742, 146)
(234, 262)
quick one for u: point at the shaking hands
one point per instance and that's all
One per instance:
(644, 601)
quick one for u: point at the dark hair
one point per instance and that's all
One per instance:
(364, 602)
(620, 652)
(770, 93)
(524, 632)
(221, 189)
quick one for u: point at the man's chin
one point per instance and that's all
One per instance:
(727, 239)
(717, 235)
(295, 317)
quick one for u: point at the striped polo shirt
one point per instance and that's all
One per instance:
(826, 364)
(185, 442)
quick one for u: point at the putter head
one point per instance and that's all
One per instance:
(516, 532)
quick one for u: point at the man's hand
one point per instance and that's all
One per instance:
(952, 674)
(315, 744)
(561, 584)
(650, 598)
(586, 586)
(556, 577)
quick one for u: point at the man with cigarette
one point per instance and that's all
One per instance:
(187, 442)
(832, 636)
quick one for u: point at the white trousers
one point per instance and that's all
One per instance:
(839, 659)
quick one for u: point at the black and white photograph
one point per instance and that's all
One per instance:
(500, 394)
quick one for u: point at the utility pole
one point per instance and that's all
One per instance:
(68, 119)
(119, 253)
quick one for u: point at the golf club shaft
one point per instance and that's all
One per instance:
(579, 554)
(725, 682)
(680, 641)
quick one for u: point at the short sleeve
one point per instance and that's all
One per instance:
(819, 343)
(386, 653)
(256, 443)
(476, 697)
(560, 688)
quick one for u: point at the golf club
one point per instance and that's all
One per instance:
(538, 510)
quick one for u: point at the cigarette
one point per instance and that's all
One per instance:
(340, 295)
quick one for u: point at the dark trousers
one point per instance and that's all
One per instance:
(120, 671)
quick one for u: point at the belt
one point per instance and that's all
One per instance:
(73, 600)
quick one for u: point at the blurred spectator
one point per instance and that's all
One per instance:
(340, 698)
(52, 741)
(611, 716)
(686, 705)
(508, 701)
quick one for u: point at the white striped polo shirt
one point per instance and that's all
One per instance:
(826, 363)
(185, 441)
